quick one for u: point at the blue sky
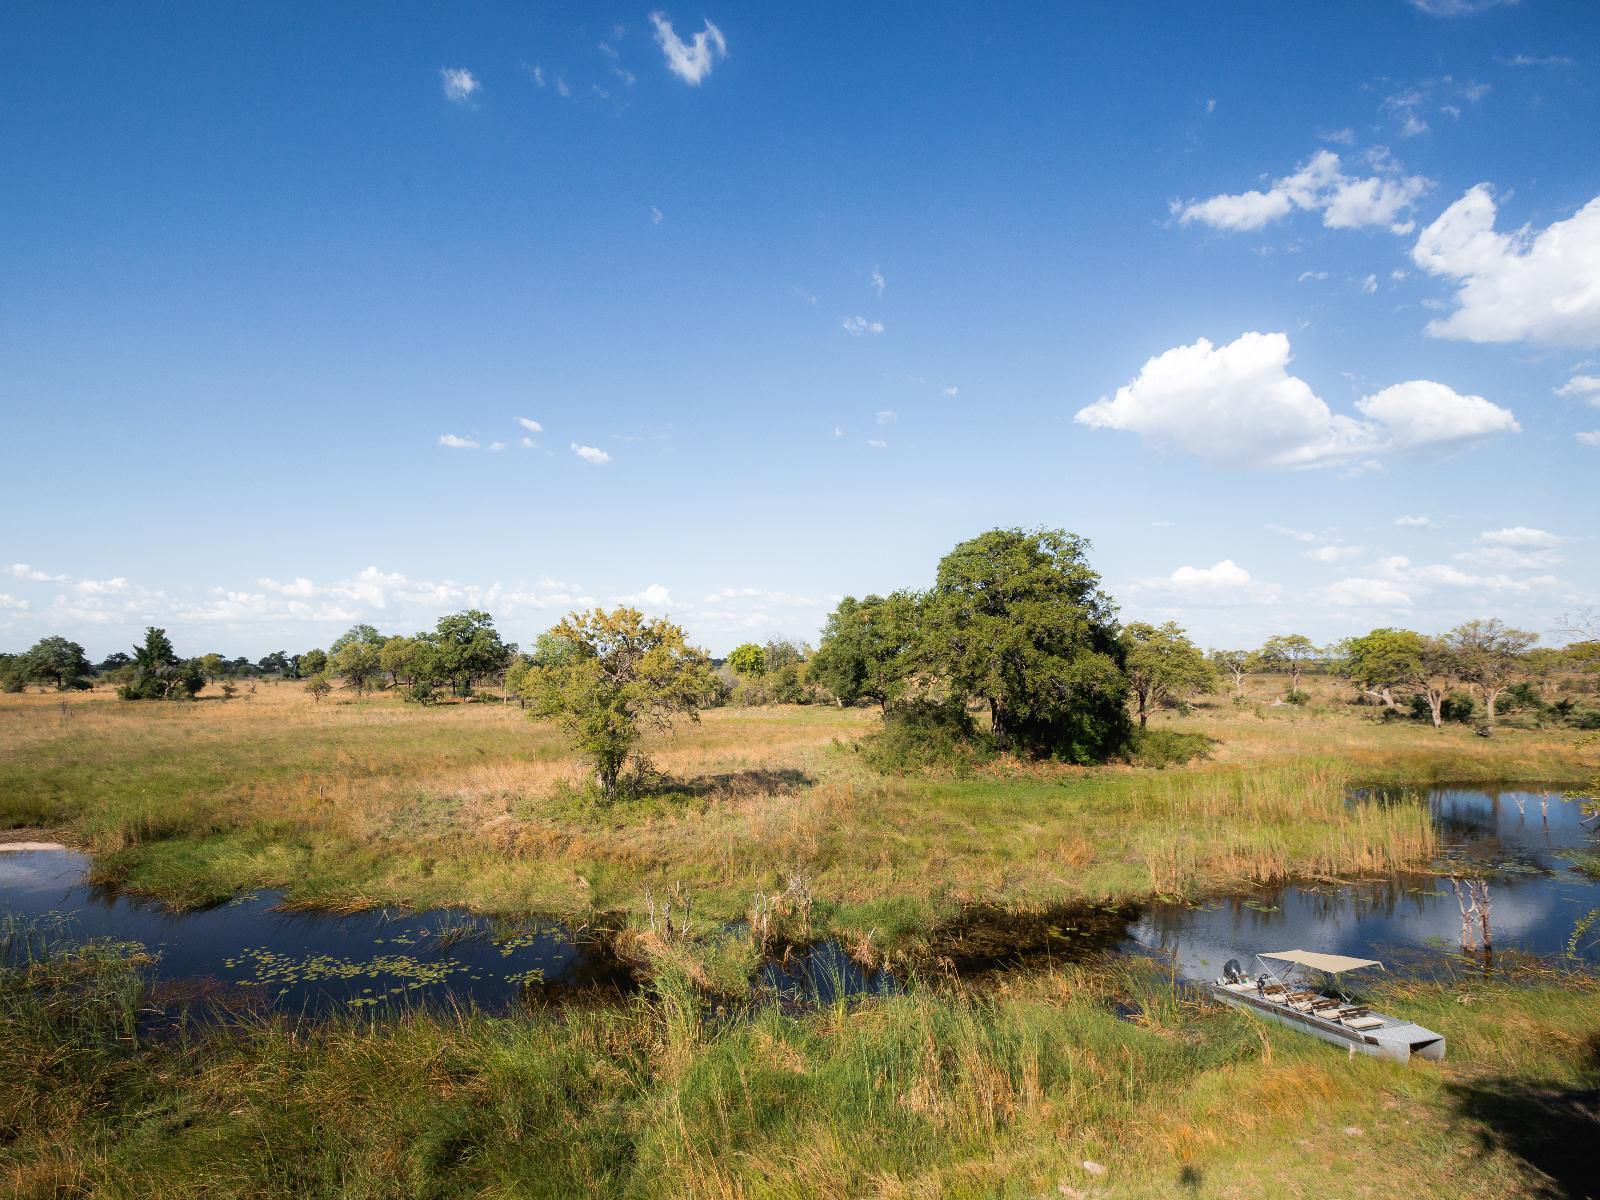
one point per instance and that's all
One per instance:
(1292, 310)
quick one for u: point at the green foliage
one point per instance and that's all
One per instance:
(276, 663)
(158, 673)
(319, 686)
(356, 633)
(866, 651)
(312, 662)
(1288, 652)
(1382, 661)
(1162, 663)
(606, 677)
(57, 661)
(1162, 748)
(922, 735)
(1489, 657)
(359, 662)
(748, 660)
(467, 647)
(1018, 620)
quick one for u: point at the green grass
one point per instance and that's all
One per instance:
(928, 1094)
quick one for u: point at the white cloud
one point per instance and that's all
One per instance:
(1299, 535)
(457, 443)
(34, 575)
(536, 73)
(1522, 535)
(654, 596)
(952, 391)
(1342, 137)
(1333, 554)
(722, 595)
(459, 83)
(590, 454)
(1582, 385)
(1539, 287)
(856, 326)
(1414, 578)
(1237, 404)
(527, 443)
(838, 431)
(1358, 592)
(562, 89)
(497, 445)
(1306, 276)
(1211, 107)
(1317, 185)
(1535, 60)
(887, 417)
(802, 293)
(101, 587)
(690, 62)
(1369, 285)
(1456, 8)
(877, 443)
(1225, 574)
(656, 215)
(1589, 437)
(298, 586)
(878, 282)
(1411, 521)
(11, 604)
(530, 424)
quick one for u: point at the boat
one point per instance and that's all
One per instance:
(1279, 996)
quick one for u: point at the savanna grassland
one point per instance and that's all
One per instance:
(1034, 1086)
(357, 801)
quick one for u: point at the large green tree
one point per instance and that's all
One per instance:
(1161, 663)
(1017, 619)
(606, 677)
(467, 648)
(356, 633)
(1489, 657)
(1383, 662)
(748, 660)
(360, 663)
(57, 661)
(866, 651)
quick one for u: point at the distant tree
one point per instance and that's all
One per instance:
(1161, 663)
(57, 661)
(866, 651)
(467, 648)
(1489, 657)
(155, 668)
(779, 653)
(1018, 620)
(608, 675)
(516, 678)
(1383, 661)
(114, 661)
(1287, 652)
(1234, 663)
(748, 660)
(13, 674)
(1436, 671)
(356, 633)
(312, 662)
(276, 663)
(358, 662)
(213, 665)
(413, 662)
(318, 686)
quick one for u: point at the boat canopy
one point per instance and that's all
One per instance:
(1331, 963)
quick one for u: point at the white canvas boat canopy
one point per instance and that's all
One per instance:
(1331, 963)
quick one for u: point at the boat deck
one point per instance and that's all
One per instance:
(1357, 1026)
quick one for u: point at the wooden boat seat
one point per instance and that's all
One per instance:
(1364, 1022)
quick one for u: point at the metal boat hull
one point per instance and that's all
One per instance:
(1397, 1041)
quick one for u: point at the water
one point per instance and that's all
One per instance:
(1515, 837)
(245, 955)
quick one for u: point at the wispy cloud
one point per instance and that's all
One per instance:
(459, 84)
(887, 417)
(857, 326)
(1321, 185)
(656, 215)
(591, 455)
(530, 424)
(457, 443)
(33, 574)
(691, 61)
(878, 282)
(1535, 60)
(1414, 521)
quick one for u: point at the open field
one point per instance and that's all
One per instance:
(1039, 1090)
(353, 801)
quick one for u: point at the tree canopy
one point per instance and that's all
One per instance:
(1162, 663)
(867, 648)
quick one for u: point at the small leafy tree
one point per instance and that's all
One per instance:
(318, 686)
(1489, 657)
(1235, 663)
(1162, 663)
(1436, 670)
(1288, 652)
(312, 662)
(359, 663)
(748, 660)
(866, 651)
(607, 676)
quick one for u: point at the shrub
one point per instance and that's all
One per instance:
(1162, 748)
(927, 735)
(1297, 697)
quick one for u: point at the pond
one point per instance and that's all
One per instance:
(247, 955)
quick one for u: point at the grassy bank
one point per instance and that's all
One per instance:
(929, 1094)
(354, 801)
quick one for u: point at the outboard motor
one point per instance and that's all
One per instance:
(1233, 971)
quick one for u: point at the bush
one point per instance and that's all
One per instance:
(1162, 748)
(1297, 697)
(927, 735)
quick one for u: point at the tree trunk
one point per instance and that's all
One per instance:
(1490, 696)
(1436, 707)
(997, 721)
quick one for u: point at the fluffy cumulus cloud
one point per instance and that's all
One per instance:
(459, 84)
(857, 326)
(33, 574)
(1531, 286)
(690, 61)
(1320, 185)
(1360, 592)
(457, 443)
(1588, 437)
(1224, 584)
(1238, 405)
(1582, 387)
(654, 597)
(591, 455)
(530, 425)
(1517, 548)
